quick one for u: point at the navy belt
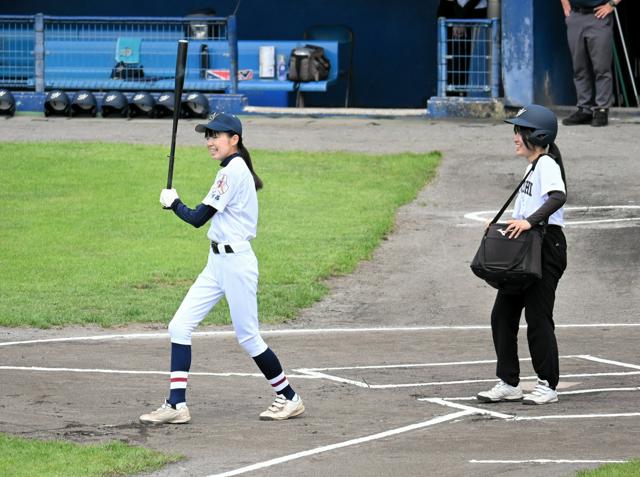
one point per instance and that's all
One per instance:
(215, 247)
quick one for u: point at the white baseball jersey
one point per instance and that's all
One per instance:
(233, 195)
(535, 191)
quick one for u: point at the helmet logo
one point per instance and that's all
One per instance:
(110, 98)
(521, 112)
(55, 95)
(192, 96)
(82, 96)
(214, 116)
(164, 97)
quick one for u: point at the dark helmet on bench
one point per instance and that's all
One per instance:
(57, 102)
(542, 121)
(142, 104)
(7, 103)
(196, 105)
(115, 102)
(164, 105)
(84, 102)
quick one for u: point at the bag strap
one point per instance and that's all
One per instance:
(506, 204)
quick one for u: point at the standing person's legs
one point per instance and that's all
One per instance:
(505, 321)
(240, 282)
(577, 24)
(600, 41)
(201, 297)
(539, 302)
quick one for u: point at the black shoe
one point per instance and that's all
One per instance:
(600, 118)
(578, 117)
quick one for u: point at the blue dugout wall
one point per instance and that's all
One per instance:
(395, 43)
(394, 61)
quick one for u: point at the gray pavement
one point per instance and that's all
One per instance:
(418, 278)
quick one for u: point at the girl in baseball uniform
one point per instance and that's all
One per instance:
(539, 203)
(231, 271)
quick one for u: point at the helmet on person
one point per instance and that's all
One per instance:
(7, 103)
(83, 103)
(142, 104)
(164, 106)
(223, 122)
(541, 120)
(196, 105)
(56, 102)
(114, 102)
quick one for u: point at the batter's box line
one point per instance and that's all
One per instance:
(513, 417)
(317, 372)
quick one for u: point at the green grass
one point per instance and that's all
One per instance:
(628, 469)
(84, 239)
(26, 458)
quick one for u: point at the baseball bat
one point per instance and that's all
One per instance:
(181, 63)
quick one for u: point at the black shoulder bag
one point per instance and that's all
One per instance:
(510, 265)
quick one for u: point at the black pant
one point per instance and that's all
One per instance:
(537, 301)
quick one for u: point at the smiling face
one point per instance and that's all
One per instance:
(531, 151)
(221, 144)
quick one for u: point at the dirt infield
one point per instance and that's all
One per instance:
(388, 361)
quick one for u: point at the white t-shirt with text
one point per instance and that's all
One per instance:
(535, 191)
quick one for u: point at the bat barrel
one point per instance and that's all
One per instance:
(181, 63)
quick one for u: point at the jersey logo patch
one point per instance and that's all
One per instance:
(221, 187)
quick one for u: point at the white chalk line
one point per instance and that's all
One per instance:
(511, 417)
(425, 365)
(549, 461)
(125, 371)
(295, 331)
(481, 216)
(608, 361)
(339, 445)
(561, 393)
(363, 384)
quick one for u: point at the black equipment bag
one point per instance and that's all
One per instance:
(308, 63)
(127, 71)
(510, 265)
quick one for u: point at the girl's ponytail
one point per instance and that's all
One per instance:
(244, 152)
(554, 152)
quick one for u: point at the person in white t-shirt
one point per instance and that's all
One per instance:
(231, 271)
(539, 204)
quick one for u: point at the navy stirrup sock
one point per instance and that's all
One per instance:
(272, 370)
(180, 365)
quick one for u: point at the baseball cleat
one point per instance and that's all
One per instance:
(283, 408)
(541, 394)
(501, 392)
(165, 414)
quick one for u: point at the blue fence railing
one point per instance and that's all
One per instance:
(40, 51)
(468, 57)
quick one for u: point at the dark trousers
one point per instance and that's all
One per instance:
(537, 301)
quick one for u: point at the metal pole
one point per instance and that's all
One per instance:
(38, 52)
(442, 57)
(495, 58)
(232, 36)
(624, 46)
(493, 9)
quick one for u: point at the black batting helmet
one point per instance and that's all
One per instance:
(57, 103)
(195, 105)
(115, 103)
(542, 121)
(142, 104)
(7, 103)
(164, 105)
(84, 103)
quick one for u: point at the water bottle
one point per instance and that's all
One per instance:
(282, 68)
